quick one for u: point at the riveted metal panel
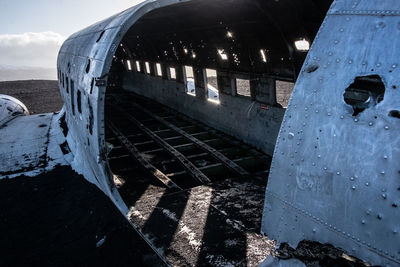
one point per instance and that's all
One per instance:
(84, 58)
(335, 177)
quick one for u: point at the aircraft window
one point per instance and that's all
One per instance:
(67, 83)
(128, 65)
(172, 73)
(147, 65)
(364, 92)
(63, 82)
(72, 98)
(158, 70)
(189, 80)
(78, 100)
(138, 68)
(283, 92)
(88, 66)
(91, 117)
(243, 87)
(212, 85)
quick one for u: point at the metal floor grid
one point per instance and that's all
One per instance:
(195, 193)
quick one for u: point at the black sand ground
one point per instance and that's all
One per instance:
(58, 219)
(38, 96)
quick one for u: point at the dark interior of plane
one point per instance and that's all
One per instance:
(196, 95)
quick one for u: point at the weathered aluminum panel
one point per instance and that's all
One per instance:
(335, 178)
(84, 58)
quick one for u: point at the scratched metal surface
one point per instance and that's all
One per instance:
(85, 57)
(335, 178)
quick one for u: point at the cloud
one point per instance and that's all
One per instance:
(30, 49)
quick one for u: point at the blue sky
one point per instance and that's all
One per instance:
(61, 16)
(32, 31)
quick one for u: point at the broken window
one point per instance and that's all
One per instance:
(88, 66)
(78, 100)
(63, 83)
(364, 92)
(147, 65)
(138, 68)
(284, 90)
(158, 70)
(67, 83)
(172, 73)
(72, 98)
(212, 85)
(243, 87)
(189, 80)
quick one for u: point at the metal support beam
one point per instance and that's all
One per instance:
(213, 152)
(135, 152)
(190, 167)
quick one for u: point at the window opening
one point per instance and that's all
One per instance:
(243, 87)
(72, 98)
(158, 70)
(172, 73)
(138, 68)
(147, 64)
(78, 100)
(67, 83)
(63, 80)
(212, 85)
(284, 90)
(128, 65)
(88, 66)
(189, 80)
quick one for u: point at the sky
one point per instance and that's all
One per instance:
(32, 31)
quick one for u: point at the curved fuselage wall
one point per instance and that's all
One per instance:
(335, 173)
(83, 64)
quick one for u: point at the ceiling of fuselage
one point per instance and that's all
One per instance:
(201, 32)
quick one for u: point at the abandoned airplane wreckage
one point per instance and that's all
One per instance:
(179, 112)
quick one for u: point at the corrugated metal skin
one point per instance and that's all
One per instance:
(335, 178)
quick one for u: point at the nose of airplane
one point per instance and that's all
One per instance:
(11, 108)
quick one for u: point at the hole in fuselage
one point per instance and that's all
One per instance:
(394, 114)
(365, 92)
